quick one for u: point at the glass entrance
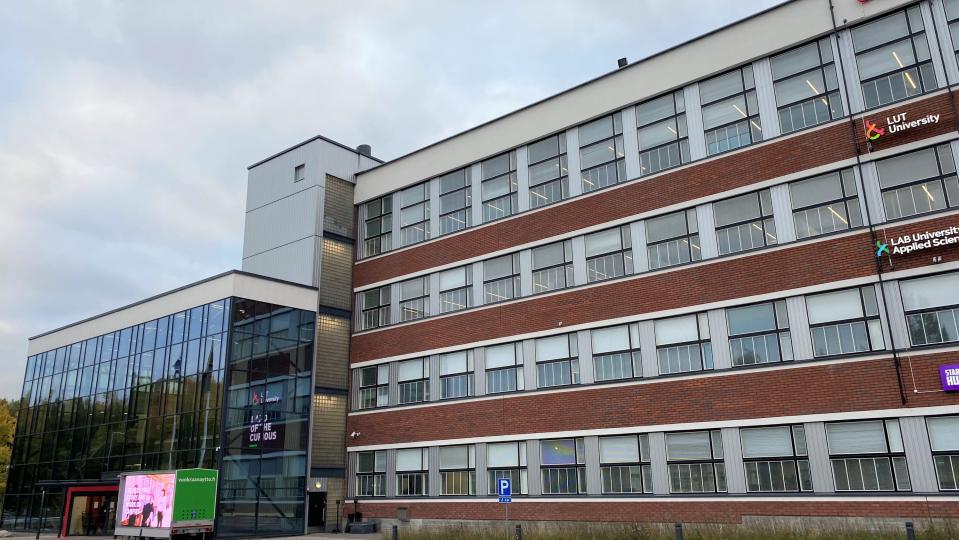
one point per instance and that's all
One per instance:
(92, 514)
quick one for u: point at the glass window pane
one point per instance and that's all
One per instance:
(818, 190)
(665, 227)
(856, 437)
(596, 130)
(742, 208)
(794, 61)
(551, 348)
(749, 319)
(908, 168)
(497, 268)
(618, 449)
(411, 369)
(834, 306)
(766, 442)
(409, 459)
(614, 338)
(930, 292)
(676, 330)
(454, 457)
(603, 242)
(502, 454)
(944, 433)
(877, 32)
(551, 255)
(558, 452)
(544, 149)
(684, 446)
(721, 86)
(453, 279)
(500, 355)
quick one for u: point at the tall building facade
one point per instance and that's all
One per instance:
(720, 282)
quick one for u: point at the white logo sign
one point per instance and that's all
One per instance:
(897, 123)
(910, 243)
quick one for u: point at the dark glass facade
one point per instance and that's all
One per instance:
(150, 397)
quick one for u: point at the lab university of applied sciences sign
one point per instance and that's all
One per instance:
(896, 123)
(911, 243)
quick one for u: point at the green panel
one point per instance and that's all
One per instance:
(194, 498)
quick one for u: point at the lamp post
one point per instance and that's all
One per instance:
(337, 529)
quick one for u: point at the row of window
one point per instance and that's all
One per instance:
(864, 456)
(842, 322)
(910, 184)
(893, 62)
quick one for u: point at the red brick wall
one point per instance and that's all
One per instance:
(812, 389)
(762, 272)
(776, 159)
(719, 511)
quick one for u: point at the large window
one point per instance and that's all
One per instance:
(918, 182)
(624, 464)
(745, 222)
(608, 254)
(759, 334)
(371, 474)
(730, 111)
(548, 171)
(375, 307)
(557, 361)
(499, 186)
(379, 224)
(616, 352)
(456, 375)
(601, 154)
(501, 279)
(845, 322)
(775, 459)
(504, 368)
(663, 139)
(412, 472)
(456, 289)
(552, 267)
(944, 441)
(672, 239)
(682, 344)
(932, 308)
(458, 470)
(806, 86)
(695, 462)
(415, 299)
(374, 386)
(952, 14)
(507, 460)
(825, 204)
(414, 383)
(455, 199)
(415, 213)
(893, 58)
(868, 456)
(563, 466)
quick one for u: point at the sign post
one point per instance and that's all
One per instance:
(504, 488)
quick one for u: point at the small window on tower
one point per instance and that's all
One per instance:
(299, 173)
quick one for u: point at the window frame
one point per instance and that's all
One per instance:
(511, 197)
(517, 367)
(445, 295)
(566, 266)
(518, 473)
(798, 456)
(613, 259)
(469, 470)
(421, 384)
(644, 465)
(379, 312)
(374, 475)
(514, 279)
(422, 474)
(704, 346)
(923, 312)
(467, 210)
(618, 162)
(377, 387)
(850, 204)
(561, 181)
(690, 238)
(381, 242)
(765, 223)
(752, 119)
(781, 332)
(423, 225)
(716, 461)
(829, 97)
(547, 368)
(578, 465)
(892, 456)
(680, 129)
(866, 319)
(634, 353)
(469, 374)
(951, 454)
(944, 180)
(415, 307)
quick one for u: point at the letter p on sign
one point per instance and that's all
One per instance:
(505, 488)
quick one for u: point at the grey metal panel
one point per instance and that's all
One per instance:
(783, 214)
(849, 68)
(733, 458)
(391, 472)
(293, 262)
(657, 461)
(585, 348)
(799, 328)
(434, 187)
(819, 465)
(897, 317)
(707, 231)
(915, 440)
(526, 272)
(351, 474)
(694, 122)
(955, 149)
(579, 260)
(355, 389)
(719, 336)
(482, 479)
(594, 480)
(395, 302)
(860, 190)
(529, 364)
(631, 142)
(479, 370)
(434, 293)
(522, 178)
(273, 179)
(647, 347)
(477, 193)
(943, 37)
(532, 466)
(478, 298)
(768, 115)
(572, 161)
(394, 383)
(435, 393)
(396, 235)
(933, 39)
(834, 45)
(872, 193)
(434, 468)
(281, 222)
(637, 237)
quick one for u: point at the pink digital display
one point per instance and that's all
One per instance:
(147, 500)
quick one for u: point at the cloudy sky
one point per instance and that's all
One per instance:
(126, 127)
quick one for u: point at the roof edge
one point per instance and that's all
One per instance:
(308, 141)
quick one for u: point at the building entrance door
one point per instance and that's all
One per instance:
(316, 514)
(91, 514)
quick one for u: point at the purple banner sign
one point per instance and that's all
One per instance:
(949, 375)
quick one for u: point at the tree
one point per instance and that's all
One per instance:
(8, 424)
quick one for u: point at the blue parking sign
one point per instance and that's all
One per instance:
(505, 490)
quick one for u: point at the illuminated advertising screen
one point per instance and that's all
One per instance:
(147, 500)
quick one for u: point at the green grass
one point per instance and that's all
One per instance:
(559, 531)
